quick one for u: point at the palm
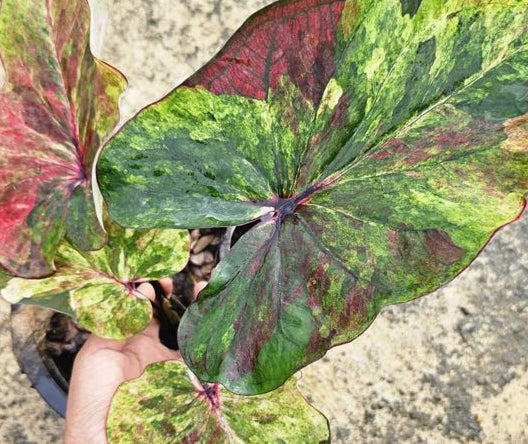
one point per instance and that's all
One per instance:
(101, 366)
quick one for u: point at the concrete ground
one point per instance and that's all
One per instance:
(451, 367)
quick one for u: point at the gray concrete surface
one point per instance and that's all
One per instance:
(451, 367)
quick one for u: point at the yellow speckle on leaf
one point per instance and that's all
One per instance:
(378, 56)
(227, 337)
(331, 96)
(324, 331)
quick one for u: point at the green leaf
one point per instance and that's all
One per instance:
(169, 404)
(390, 140)
(58, 105)
(59, 302)
(99, 286)
(4, 278)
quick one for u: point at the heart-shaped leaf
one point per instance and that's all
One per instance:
(57, 107)
(382, 143)
(169, 404)
(99, 286)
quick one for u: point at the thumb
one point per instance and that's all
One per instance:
(198, 287)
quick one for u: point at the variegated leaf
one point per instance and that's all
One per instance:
(58, 105)
(99, 286)
(381, 143)
(169, 404)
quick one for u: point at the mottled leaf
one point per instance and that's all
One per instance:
(110, 309)
(58, 105)
(390, 140)
(169, 404)
(99, 286)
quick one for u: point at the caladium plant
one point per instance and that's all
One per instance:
(99, 287)
(379, 144)
(169, 404)
(58, 105)
(374, 146)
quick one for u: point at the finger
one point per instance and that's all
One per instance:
(147, 290)
(166, 284)
(199, 286)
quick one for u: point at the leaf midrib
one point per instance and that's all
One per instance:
(79, 149)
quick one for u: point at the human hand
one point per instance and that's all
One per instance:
(101, 366)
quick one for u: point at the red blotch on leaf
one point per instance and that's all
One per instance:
(357, 303)
(296, 38)
(442, 248)
(389, 148)
(451, 139)
(392, 242)
(17, 202)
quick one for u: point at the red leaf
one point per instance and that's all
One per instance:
(302, 46)
(58, 105)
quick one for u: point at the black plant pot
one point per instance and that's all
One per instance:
(36, 331)
(29, 326)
